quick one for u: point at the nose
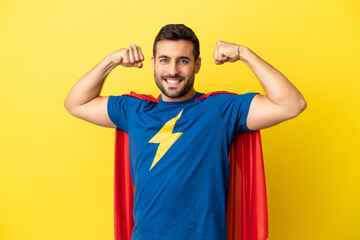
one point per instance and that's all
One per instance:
(174, 70)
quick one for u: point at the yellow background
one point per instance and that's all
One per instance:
(56, 171)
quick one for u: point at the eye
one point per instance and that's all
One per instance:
(164, 60)
(183, 61)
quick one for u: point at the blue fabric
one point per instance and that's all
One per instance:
(184, 195)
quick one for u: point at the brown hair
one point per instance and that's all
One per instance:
(178, 32)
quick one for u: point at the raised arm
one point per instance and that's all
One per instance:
(282, 100)
(84, 100)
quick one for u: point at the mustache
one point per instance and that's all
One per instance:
(174, 76)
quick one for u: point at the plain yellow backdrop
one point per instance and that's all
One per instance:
(56, 171)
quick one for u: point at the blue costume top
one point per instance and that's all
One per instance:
(179, 162)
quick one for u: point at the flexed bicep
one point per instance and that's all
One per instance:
(263, 113)
(95, 112)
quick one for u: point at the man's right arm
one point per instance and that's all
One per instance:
(84, 100)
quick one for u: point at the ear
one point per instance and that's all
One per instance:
(153, 63)
(197, 65)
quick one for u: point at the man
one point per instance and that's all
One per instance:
(179, 145)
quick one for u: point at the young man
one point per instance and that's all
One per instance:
(179, 145)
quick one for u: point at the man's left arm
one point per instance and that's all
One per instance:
(282, 100)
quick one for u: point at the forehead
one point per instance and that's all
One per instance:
(174, 49)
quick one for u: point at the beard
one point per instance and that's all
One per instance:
(188, 84)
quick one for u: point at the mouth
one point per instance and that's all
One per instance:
(173, 81)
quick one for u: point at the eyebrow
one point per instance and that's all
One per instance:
(179, 58)
(184, 57)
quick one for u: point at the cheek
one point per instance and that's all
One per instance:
(160, 69)
(189, 71)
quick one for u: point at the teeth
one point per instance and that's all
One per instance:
(172, 81)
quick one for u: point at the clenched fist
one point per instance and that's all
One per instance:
(130, 56)
(226, 52)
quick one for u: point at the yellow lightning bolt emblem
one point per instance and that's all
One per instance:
(166, 138)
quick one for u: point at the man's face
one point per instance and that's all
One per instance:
(174, 69)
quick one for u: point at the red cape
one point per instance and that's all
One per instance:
(246, 214)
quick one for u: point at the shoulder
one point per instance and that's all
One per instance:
(217, 94)
(132, 98)
(220, 96)
(141, 97)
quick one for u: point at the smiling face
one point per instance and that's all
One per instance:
(174, 69)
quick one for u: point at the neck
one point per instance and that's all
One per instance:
(187, 96)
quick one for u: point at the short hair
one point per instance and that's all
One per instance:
(177, 32)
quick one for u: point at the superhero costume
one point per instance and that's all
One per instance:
(246, 213)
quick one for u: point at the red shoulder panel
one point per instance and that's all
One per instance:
(152, 99)
(142, 96)
(213, 93)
